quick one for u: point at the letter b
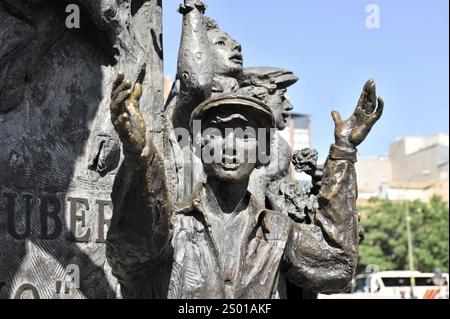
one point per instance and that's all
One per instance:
(50, 208)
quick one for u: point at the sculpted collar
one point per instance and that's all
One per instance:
(197, 207)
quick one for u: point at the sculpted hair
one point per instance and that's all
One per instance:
(259, 92)
(210, 24)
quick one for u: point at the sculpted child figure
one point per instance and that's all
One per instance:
(223, 244)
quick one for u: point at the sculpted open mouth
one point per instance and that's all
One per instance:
(237, 59)
(230, 164)
(285, 117)
(231, 167)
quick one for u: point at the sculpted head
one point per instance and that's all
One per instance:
(234, 136)
(270, 86)
(227, 52)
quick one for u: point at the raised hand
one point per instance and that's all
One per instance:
(352, 132)
(126, 117)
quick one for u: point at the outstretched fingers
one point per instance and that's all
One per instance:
(118, 81)
(132, 104)
(380, 108)
(363, 97)
(135, 96)
(336, 118)
(137, 91)
(372, 98)
(125, 85)
(368, 100)
(378, 113)
(116, 105)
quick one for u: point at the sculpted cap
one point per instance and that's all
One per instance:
(268, 77)
(261, 112)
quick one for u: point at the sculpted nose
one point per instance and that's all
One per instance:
(237, 47)
(229, 144)
(288, 105)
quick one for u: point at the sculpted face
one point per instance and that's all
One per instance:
(227, 53)
(280, 106)
(229, 145)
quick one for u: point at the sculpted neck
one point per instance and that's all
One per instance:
(226, 197)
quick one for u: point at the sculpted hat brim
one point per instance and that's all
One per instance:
(261, 75)
(261, 111)
(286, 80)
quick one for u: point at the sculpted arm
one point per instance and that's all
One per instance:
(138, 238)
(195, 65)
(195, 61)
(322, 257)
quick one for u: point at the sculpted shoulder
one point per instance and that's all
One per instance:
(280, 158)
(276, 225)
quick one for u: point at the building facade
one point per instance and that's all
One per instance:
(416, 168)
(298, 134)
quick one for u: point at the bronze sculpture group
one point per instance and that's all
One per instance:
(215, 213)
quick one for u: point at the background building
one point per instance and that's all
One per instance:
(374, 174)
(416, 168)
(298, 134)
(298, 131)
(167, 86)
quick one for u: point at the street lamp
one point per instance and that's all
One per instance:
(409, 235)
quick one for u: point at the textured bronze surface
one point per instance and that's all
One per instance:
(59, 152)
(100, 197)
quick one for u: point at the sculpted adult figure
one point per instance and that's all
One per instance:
(273, 185)
(269, 85)
(157, 251)
(209, 63)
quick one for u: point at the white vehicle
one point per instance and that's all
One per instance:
(397, 285)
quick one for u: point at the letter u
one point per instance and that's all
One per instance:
(11, 208)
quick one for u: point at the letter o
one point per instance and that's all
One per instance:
(24, 287)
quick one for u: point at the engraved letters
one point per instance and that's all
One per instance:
(19, 214)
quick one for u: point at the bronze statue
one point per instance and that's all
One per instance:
(160, 248)
(204, 204)
(159, 251)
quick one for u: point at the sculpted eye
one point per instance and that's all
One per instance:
(220, 43)
(250, 134)
(212, 134)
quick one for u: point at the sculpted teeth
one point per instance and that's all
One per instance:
(236, 58)
(230, 163)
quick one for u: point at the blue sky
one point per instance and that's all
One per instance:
(327, 44)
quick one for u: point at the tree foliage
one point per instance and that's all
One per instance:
(386, 245)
